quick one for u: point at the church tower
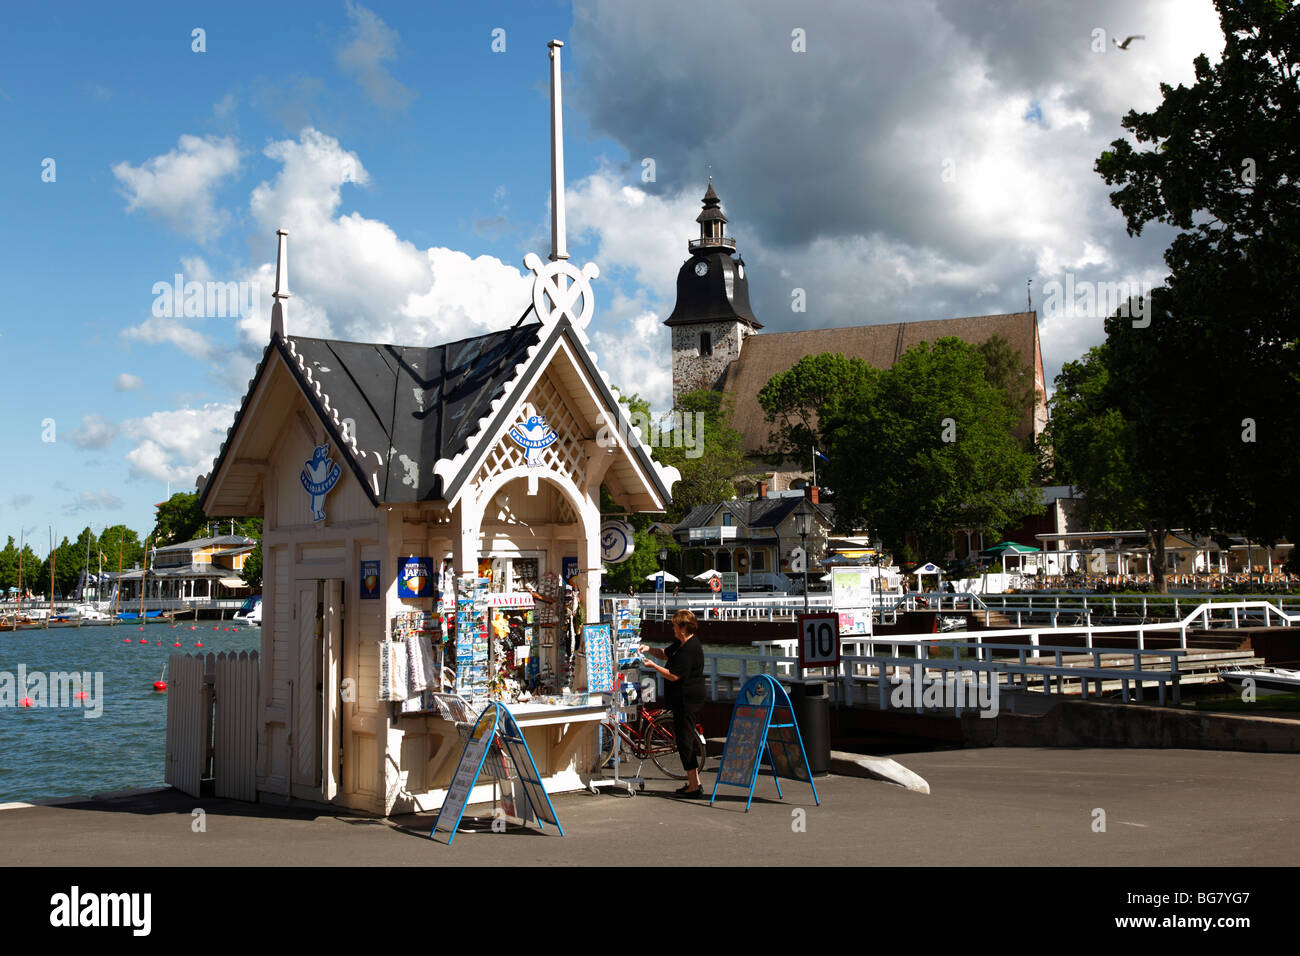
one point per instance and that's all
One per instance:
(712, 316)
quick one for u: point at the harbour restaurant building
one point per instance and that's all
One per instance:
(415, 500)
(198, 572)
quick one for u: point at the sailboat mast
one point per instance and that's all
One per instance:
(144, 576)
(22, 544)
(117, 591)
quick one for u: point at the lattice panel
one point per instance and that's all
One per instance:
(565, 454)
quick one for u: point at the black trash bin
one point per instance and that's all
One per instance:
(812, 711)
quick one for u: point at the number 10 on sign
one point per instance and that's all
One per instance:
(819, 640)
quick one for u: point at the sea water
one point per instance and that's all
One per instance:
(62, 749)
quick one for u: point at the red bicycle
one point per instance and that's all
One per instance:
(652, 736)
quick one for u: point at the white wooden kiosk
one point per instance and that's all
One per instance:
(357, 453)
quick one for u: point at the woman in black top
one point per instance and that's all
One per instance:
(684, 693)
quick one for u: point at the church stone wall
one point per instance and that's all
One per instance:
(692, 371)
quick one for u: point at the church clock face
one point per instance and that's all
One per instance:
(701, 268)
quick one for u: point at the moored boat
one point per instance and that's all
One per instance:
(251, 612)
(1267, 680)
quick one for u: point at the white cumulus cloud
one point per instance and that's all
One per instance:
(177, 445)
(178, 186)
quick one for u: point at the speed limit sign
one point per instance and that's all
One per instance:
(819, 640)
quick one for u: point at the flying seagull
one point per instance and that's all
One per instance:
(1127, 41)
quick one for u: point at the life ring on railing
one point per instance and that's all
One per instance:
(715, 585)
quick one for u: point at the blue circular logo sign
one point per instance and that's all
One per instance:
(615, 541)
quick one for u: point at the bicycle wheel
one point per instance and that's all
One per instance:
(605, 746)
(607, 742)
(662, 743)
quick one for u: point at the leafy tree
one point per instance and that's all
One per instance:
(179, 519)
(1098, 449)
(67, 568)
(252, 573)
(707, 469)
(132, 550)
(645, 544)
(814, 390)
(8, 567)
(1006, 370)
(927, 448)
(1221, 164)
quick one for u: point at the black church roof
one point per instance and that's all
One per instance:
(720, 295)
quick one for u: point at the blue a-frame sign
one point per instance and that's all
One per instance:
(763, 720)
(495, 724)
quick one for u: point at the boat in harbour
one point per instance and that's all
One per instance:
(251, 612)
(146, 616)
(1267, 680)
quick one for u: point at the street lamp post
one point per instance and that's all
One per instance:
(802, 524)
(663, 582)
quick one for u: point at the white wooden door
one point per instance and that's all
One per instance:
(315, 708)
(331, 670)
(305, 734)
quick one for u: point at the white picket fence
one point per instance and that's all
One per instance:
(211, 723)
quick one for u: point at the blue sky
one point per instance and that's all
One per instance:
(410, 163)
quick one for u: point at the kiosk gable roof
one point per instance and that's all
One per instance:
(414, 405)
(411, 409)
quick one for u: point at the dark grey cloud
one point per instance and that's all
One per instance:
(94, 432)
(832, 163)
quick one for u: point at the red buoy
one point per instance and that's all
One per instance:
(26, 702)
(160, 685)
(198, 643)
(144, 640)
(177, 644)
(126, 640)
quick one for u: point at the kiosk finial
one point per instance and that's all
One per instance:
(281, 283)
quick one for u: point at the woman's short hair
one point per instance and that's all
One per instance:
(687, 620)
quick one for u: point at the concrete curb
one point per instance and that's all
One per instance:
(57, 801)
(60, 801)
(877, 768)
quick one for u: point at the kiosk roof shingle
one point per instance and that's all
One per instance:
(423, 403)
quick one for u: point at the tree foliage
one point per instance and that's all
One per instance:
(707, 469)
(179, 518)
(1220, 162)
(131, 548)
(926, 448)
(812, 391)
(10, 566)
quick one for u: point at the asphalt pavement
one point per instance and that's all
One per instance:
(987, 807)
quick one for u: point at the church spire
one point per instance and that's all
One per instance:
(712, 224)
